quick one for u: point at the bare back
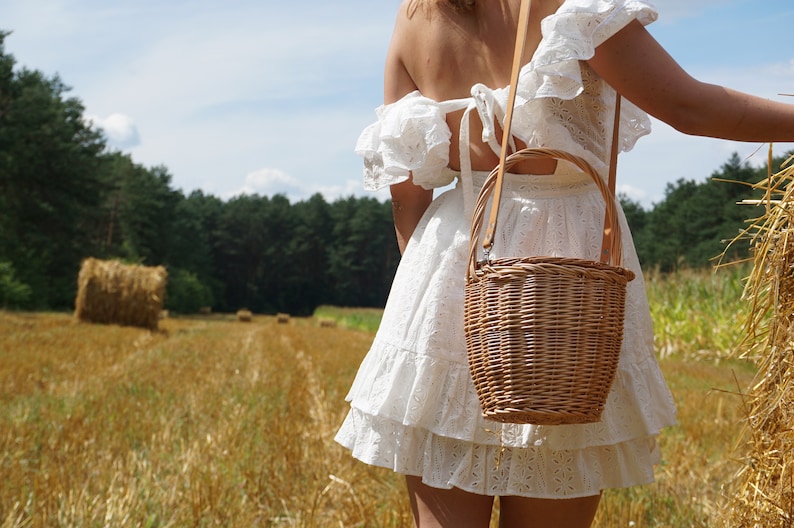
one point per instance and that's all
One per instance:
(443, 53)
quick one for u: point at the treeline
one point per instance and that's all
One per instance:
(257, 252)
(691, 226)
(65, 196)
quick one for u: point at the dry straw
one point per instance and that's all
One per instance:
(762, 493)
(110, 292)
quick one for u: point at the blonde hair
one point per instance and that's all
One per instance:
(462, 5)
(457, 5)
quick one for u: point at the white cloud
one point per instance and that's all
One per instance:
(673, 10)
(119, 129)
(259, 97)
(349, 188)
(222, 58)
(227, 89)
(762, 79)
(634, 193)
(270, 181)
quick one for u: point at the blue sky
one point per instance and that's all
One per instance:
(265, 96)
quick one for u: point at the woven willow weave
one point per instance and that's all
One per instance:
(543, 334)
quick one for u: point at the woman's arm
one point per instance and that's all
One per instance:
(637, 66)
(409, 201)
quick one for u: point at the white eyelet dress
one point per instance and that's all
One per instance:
(413, 408)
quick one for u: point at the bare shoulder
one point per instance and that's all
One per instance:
(412, 17)
(398, 80)
(443, 51)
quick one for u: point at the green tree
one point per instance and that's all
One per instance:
(194, 238)
(140, 209)
(13, 293)
(49, 186)
(695, 219)
(364, 254)
(185, 293)
(637, 218)
(307, 285)
(243, 243)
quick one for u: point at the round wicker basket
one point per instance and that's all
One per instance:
(543, 334)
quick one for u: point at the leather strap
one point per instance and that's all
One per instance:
(518, 56)
(608, 243)
(609, 250)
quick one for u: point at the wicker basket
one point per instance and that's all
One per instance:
(543, 334)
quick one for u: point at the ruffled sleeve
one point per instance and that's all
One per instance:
(572, 34)
(410, 136)
(570, 37)
(561, 103)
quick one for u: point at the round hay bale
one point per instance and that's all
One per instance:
(205, 310)
(110, 292)
(762, 491)
(282, 318)
(327, 323)
(245, 316)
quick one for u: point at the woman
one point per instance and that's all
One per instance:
(413, 406)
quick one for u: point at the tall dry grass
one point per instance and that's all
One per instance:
(212, 422)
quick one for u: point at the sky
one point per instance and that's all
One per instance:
(266, 96)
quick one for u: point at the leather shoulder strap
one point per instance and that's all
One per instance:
(518, 55)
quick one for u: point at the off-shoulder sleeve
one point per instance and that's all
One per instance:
(571, 36)
(410, 135)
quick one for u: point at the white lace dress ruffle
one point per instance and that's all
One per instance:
(413, 406)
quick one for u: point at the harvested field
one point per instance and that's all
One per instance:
(209, 422)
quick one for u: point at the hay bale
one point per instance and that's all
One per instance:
(327, 323)
(110, 292)
(164, 314)
(762, 493)
(282, 318)
(205, 310)
(245, 316)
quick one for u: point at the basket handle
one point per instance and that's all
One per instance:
(612, 254)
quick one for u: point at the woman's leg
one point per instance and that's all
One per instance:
(452, 508)
(522, 512)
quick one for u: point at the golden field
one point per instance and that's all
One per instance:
(215, 422)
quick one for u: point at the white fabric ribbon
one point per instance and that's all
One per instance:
(485, 101)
